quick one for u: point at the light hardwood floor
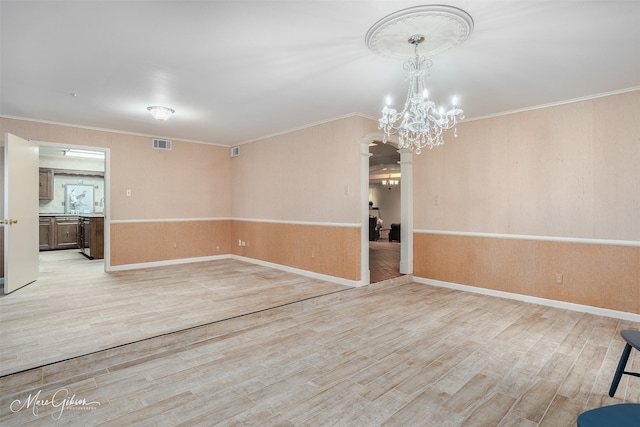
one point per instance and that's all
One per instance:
(384, 259)
(76, 308)
(392, 355)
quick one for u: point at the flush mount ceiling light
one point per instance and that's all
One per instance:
(84, 154)
(160, 113)
(435, 28)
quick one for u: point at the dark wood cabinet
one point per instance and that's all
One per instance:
(91, 236)
(46, 184)
(70, 232)
(46, 233)
(66, 232)
(58, 232)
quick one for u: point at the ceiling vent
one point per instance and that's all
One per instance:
(235, 151)
(161, 144)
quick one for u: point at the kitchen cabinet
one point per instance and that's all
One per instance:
(91, 236)
(46, 184)
(66, 232)
(46, 233)
(58, 232)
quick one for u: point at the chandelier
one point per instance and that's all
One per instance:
(420, 123)
(390, 183)
(435, 29)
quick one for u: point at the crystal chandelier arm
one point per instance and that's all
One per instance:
(420, 124)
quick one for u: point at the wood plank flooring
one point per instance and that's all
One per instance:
(384, 259)
(398, 355)
(76, 308)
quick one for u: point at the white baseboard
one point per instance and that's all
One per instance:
(306, 273)
(633, 317)
(166, 262)
(311, 274)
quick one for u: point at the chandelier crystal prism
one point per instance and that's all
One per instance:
(420, 123)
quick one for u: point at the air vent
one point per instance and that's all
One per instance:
(161, 144)
(235, 151)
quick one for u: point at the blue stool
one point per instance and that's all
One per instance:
(622, 415)
(633, 340)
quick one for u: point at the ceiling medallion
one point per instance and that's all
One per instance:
(443, 27)
(434, 29)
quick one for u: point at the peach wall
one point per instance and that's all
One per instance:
(328, 250)
(138, 243)
(605, 276)
(188, 183)
(309, 176)
(564, 171)
(312, 174)
(567, 173)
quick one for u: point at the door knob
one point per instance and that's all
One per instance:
(10, 221)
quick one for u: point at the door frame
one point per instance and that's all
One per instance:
(107, 190)
(406, 206)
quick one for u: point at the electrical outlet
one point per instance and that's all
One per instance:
(559, 279)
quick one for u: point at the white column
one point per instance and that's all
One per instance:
(365, 274)
(406, 208)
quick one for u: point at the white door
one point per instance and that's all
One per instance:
(20, 221)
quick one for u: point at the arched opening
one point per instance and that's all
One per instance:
(404, 173)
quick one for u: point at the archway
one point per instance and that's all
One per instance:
(406, 238)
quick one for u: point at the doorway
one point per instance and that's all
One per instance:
(79, 180)
(385, 183)
(394, 157)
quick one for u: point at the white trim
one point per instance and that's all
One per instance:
(133, 221)
(118, 131)
(306, 126)
(406, 211)
(168, 262)
(532, 237)
(332, 119)
(321, 224)
(365, 156)
(554, 104)
(633, 317)
(306, 273)
(107, 190)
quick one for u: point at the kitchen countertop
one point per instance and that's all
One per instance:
(72, 215)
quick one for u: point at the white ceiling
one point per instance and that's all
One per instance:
(235, 71)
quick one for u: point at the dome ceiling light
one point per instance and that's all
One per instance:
(160, 113)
